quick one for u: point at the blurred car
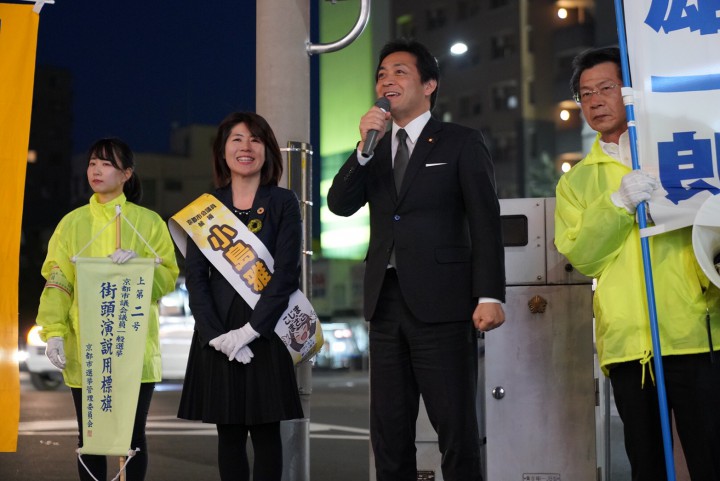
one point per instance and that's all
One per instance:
(43, 375)
(176, 330)
(346, 344)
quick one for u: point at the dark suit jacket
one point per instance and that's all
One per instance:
(444, 222)
(211, 295)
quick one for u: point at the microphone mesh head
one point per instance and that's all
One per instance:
(383, 103)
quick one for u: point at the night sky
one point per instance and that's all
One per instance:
(140, 66)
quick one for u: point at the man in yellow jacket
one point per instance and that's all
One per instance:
(595, 227)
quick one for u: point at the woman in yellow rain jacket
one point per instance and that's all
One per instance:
(111, 175)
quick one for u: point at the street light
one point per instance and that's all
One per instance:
(458, 48)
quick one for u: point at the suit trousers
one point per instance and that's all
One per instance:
(439, 361)
(692, 385)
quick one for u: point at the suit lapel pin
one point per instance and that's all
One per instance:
(261, 210)
(431, 139)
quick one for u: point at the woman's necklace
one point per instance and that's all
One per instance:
(243, 214)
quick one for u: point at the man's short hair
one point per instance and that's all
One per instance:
(589, 59)
(426, 63)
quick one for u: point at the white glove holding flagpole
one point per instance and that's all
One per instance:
(55, 351)
(635, 187)
(121, 256)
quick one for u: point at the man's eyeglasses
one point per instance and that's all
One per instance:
(584, 96)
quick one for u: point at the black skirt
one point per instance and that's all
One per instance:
(219, 391)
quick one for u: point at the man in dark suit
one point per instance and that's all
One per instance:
(435, 267)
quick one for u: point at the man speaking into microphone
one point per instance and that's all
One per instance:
(435, 269)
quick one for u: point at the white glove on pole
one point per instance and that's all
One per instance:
(121, 256)
(55, 351)
(635, 187)
(237, 339)
(244, 355)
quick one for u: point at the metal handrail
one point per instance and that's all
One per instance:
(360, 25)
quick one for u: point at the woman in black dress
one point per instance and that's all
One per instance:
(240, 376)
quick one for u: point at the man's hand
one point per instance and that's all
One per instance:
(635, 187)
(488, 316)
(374, 119)
(55, 351)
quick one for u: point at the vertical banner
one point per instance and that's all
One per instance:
(675, 67)
(114, 304)
(18, 41)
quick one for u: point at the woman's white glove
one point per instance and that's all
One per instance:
(121, 256)
(232, 341)
(55, 351)
(244, 355)
(635, 187)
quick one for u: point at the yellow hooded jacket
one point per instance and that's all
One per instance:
(602, 240)
(58, 311)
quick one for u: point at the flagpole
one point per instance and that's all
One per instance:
(645, 245)
(118, 223)
(118, 245)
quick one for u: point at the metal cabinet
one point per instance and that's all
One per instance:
(539, 387)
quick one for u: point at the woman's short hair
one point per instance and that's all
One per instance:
(271, 170)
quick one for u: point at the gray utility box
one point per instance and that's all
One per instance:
(539, 397)
(538, 409)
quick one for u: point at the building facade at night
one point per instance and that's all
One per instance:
(512, 82)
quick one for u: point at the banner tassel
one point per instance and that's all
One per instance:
(123, 465)
(83, 464)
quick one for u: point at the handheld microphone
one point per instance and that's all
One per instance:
(371, 140)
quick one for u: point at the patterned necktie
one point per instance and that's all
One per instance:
(401, 159)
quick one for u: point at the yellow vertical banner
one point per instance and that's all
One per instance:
(18, 41)
(114, 310)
